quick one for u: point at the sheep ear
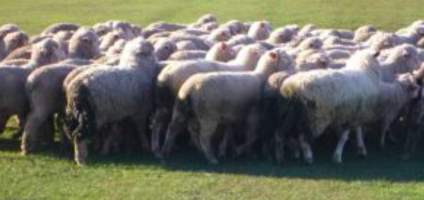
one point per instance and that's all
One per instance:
(273, 55)
(223, 46)
(262, 25)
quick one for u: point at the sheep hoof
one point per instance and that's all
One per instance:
(309, 161)
(213, 161)
(337, 159)
(362, 153)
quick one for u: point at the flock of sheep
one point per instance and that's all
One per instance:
(227, 89)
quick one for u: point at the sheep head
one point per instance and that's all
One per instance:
(138, 53)
(45, 52)
(274, 61)
(15, 40)
(164, 48)
(84, 44)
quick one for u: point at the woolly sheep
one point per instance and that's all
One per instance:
(352, 100)
(174, 75)
(91, 105)
(207, 97)
(260, 30)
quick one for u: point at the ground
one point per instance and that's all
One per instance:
(50, 175)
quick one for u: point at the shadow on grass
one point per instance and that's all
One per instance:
(379, 165)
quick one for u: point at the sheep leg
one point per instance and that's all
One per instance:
(48, 134)
(306, 149)
(338, 153)
(207, 129)
(3, 121)
(106, 146)
(226, 140)
(384, 129)
(279, 148)
(160, 120)
(21, 121)
(193, 128)
(175, 128)
(293, 146)
(80, 151)
(31, 131)
(141, 122)
(362, 150)
(251, 135)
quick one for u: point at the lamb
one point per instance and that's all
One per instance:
(353, 98)
(204, 100)
(91, 105)
(44, 86)
(174, 75)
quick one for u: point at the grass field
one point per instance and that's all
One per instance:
(49, 175)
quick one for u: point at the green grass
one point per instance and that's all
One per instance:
(33, 16)
(49, 175)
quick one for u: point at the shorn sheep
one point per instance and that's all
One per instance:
(210, 99)
(91, 104)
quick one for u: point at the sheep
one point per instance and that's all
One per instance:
(186, 45)
(13, 97)
(311, 59)
(235, 27)
(164, 48)
(219, 52)
(174, 75)
(281, 35)
(363, 33)
(401, 59)
(44, 86)
(259, 30)
(15, 40)
(205, 97)
(352, 98)
(240, 40)
(218, 35)
(109, 39)
(54, 28)
(91, 105)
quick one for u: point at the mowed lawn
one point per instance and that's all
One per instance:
(50, 175)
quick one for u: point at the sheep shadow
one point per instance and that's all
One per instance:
(379, 165)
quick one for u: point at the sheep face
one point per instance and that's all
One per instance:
(406, 56)
(84, 44)
(137, 52)
(45, 52)
(15, 40)
(410, 85)
(164, 48)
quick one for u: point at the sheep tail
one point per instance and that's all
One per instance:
(293, 116)
(83, 113)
